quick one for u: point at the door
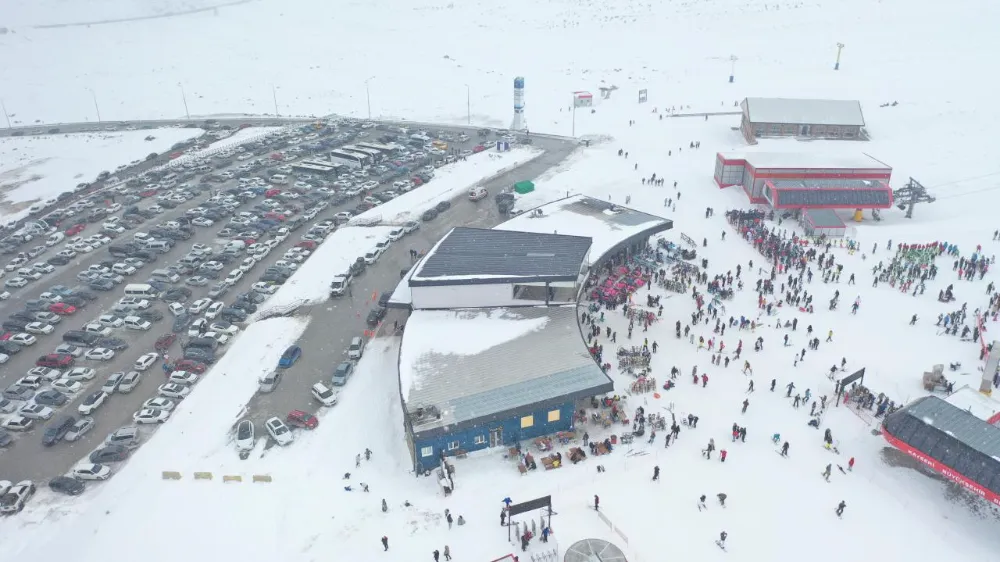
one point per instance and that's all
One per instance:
(496, 437)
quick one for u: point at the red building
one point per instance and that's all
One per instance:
(807, 181)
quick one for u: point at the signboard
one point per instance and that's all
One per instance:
(643, 97)
(583, 99)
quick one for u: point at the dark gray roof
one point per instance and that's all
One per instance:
(475, 252)
(962, 425)
(512, 368)
(823, 218)
(841, 198)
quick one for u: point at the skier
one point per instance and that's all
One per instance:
(750, 388)
(746, 404)
(722, 455)
(656, 473)
(437, 555)
(784, 449)
(840, 508)
(503, 517)
(850, 464)
(385, 543)
(913, 320)
(447, 553)
(826, 473)
(368, 454)
(385, 506)
(597, 502)
(701, 503)
(722, 540)
(357, 461)
(722, 499)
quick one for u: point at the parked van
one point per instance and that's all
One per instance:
(372, 255)
(279, 179)
(235, 247)
(162, 246)
(137, 323)
(142, 290)
(165, 275)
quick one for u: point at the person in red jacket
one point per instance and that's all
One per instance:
(704, 380)
(722, 455)
(850, 464)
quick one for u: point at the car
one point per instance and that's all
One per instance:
(182, 377)
(45, 372)
(55, 360)
(17, 497)
(147, 416)
(134, 303)
(100, 354)
(342, 373)
(101, 285)
(129, 382)
(324, 394)
(93, 401)
(299, 418)
(290, 356)
(196, 327)
(17, 423)
(164, 404)
(145, 361)
(137, 323)
(82, 426)
(109, 453)
(46, 317)
(30, 381)
(97, 328)
(7, 406)
(91, 471)
(69, 349)
(18, 392)
(164, 342)
(190, 366)
(278, 431)
(151, 315)
(173, 390)
(114, 380)
(223, 327)
(213, 310)
(375, 316)
(57, 430)
(197, 281)
(67, 485)
(233, 277)
(36, 412)
(270, 381)
(62, 309)
(23, 339)
(16, 282)
(110, 321)
(80, 374)
(199, 306)
(265, 288)
(51, 397)
(177, 309)
(245, 436)
(39, 328)
(429, 215)
(116, 344)
(128, 437)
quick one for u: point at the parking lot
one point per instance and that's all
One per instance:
(324, 343)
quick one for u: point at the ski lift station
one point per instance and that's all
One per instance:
(802, 118)
(493, 353)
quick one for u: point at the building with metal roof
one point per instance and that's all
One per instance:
(950, 440)
(477, 378)
(810, 118)
(827, 194)
(822, 222)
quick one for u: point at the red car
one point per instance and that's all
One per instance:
(62, 309)
(272, 193)
(75, 229)
(298, 418)
(417, 181)
(478, 148)
(164, 342)
(147, 193)
(56, 361)
(307, 244)
(190, 366)
(275, 216)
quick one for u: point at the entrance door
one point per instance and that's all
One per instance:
(496, 437)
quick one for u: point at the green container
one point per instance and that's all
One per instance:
(523, 187)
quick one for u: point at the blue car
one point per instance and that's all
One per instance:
(290, 356)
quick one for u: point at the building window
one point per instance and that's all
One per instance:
(427, 451)
(480, 440)
(775, 129)
(530, 292)
(452, 445)
(527, 421)
(554, 416)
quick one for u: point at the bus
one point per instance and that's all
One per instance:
(373, 155)
(389, 150)
(349, 159)
(315, 167)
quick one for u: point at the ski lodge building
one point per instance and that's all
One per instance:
(492, 351)
(816, 119)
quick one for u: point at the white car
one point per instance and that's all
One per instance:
(194, 330)
(100, 354)
(30, 381)
(150, 416)
(81, 427)
(45, 372)
(177, 309)
(92, 402)
(69, 349)
(134, 303)
(43, 267)
(39, 328)
(264, 288)
(110, 321)
(247, 264)
(67, 386)
(80, 374)
(278, 431)
(4, 358)
(17, 423)
(164, 404)
(89, 471)
(224, 328)
(174, 390)
(37, 412)
(214, 309)
(146, 361)
(183, 377)
(16, 282)
(203, 249)
(202, 221)
(97, 328)
(325, 395)
(199, 306)
(233, 277)
(222, 338)
(23, 339)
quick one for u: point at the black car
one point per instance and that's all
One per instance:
(245, 306)
(443, 206)
(52, 398)
(252, 296)
(383, 299)
(180, 294)
(81, 338)
(10, 348)
(181, 322)
(57, 260)
(111, 453)
(101, 285)
(57, 430)
(375, 316)
(233, 315)
(15, 325)
(200, 354)
(277, 278)
(67, 485)
(150, 315)
(358, 267)
(429, 215)
(116, 344)
(84, 294)
(75, 301)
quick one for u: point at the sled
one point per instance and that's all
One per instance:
(720, 545)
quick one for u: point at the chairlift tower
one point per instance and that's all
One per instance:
(910, 194)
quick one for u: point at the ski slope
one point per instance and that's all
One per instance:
(930, 57)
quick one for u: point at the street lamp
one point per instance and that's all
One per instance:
(732, 68)
(368, 96)
(274, 96)
(840, 47)
(96, 107)
(468, 104)
(5, 114)
(184, 99)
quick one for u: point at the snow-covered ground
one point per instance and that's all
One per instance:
(242, 136)
(778, 509)
(39, 168)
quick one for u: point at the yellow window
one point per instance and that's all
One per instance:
(554, 416)
(527, 421)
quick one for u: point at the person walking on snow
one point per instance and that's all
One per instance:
(746, 404)
(656, 473)
(784, 449)
(850, 464)
(597, 503)
(385, 543)
(447, 553)
(840, 508)
(722, 499)
(829, 336)
(826, 473)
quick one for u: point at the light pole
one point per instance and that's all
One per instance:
(5, 114)
(840, 47)
(184, 99)
(732, 68)
(96, 107)
(274, 96)
(574, 117)
(368, 96)
(468, 104)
